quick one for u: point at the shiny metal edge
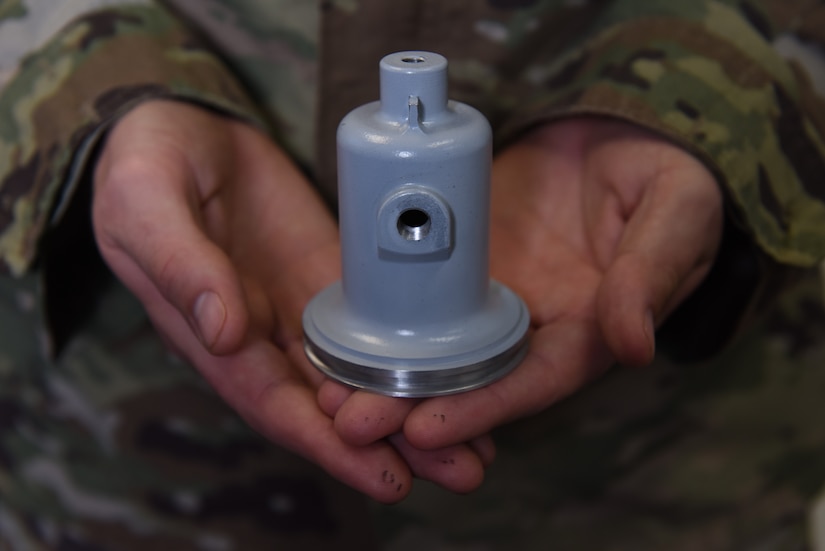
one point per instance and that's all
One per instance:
(408, 383)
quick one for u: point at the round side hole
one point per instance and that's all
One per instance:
(413, 224)
(413, 59)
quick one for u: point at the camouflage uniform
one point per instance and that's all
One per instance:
(110, 443)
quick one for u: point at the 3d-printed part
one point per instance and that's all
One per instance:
(416, 313)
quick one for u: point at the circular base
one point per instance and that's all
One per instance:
(416, 384)
(441, 358)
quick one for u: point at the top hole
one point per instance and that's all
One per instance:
(413, 59)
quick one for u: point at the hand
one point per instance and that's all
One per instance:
(224, 242)
(603, 229)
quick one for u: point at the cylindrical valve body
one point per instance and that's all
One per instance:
(413, 184)
(416, 313)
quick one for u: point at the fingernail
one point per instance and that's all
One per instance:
(210, 315)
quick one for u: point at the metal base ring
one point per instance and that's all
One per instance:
(414, 383)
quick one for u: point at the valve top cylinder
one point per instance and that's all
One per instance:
(415, 313)
(413, 188)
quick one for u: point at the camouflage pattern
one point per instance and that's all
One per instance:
(727, 454)
(705, 74)
(272, 47)
(11, 9)
(727, 80)
(114, 444)
(63, 95)
(117, 445)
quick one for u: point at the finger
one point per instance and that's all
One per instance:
(272, 398)
(485, 448)
(144, 221)
(605, 219)
(283, 409)
(366, 417)
(626, 302)
(563, 356)
(668, 247)
(456, 468)
(375, 469)
(332, 395)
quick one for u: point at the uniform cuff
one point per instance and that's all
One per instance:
(716, 87)
(66, 94)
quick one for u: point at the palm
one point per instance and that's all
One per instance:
(576, 196)
(603, 229)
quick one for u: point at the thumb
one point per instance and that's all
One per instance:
(632, 291)
(146, 227)
(667, 248)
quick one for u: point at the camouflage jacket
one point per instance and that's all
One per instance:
(115, 438)
(739, 84)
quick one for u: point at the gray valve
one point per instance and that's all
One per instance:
(415, 313)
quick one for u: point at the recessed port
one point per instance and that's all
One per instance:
(413, 59)
(414, 224)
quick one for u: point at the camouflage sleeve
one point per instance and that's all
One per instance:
(740, 84)
(56, 99)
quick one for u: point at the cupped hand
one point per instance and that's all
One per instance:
(603, 228)
(224, 242)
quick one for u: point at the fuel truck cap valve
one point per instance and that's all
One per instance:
(415, 313)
